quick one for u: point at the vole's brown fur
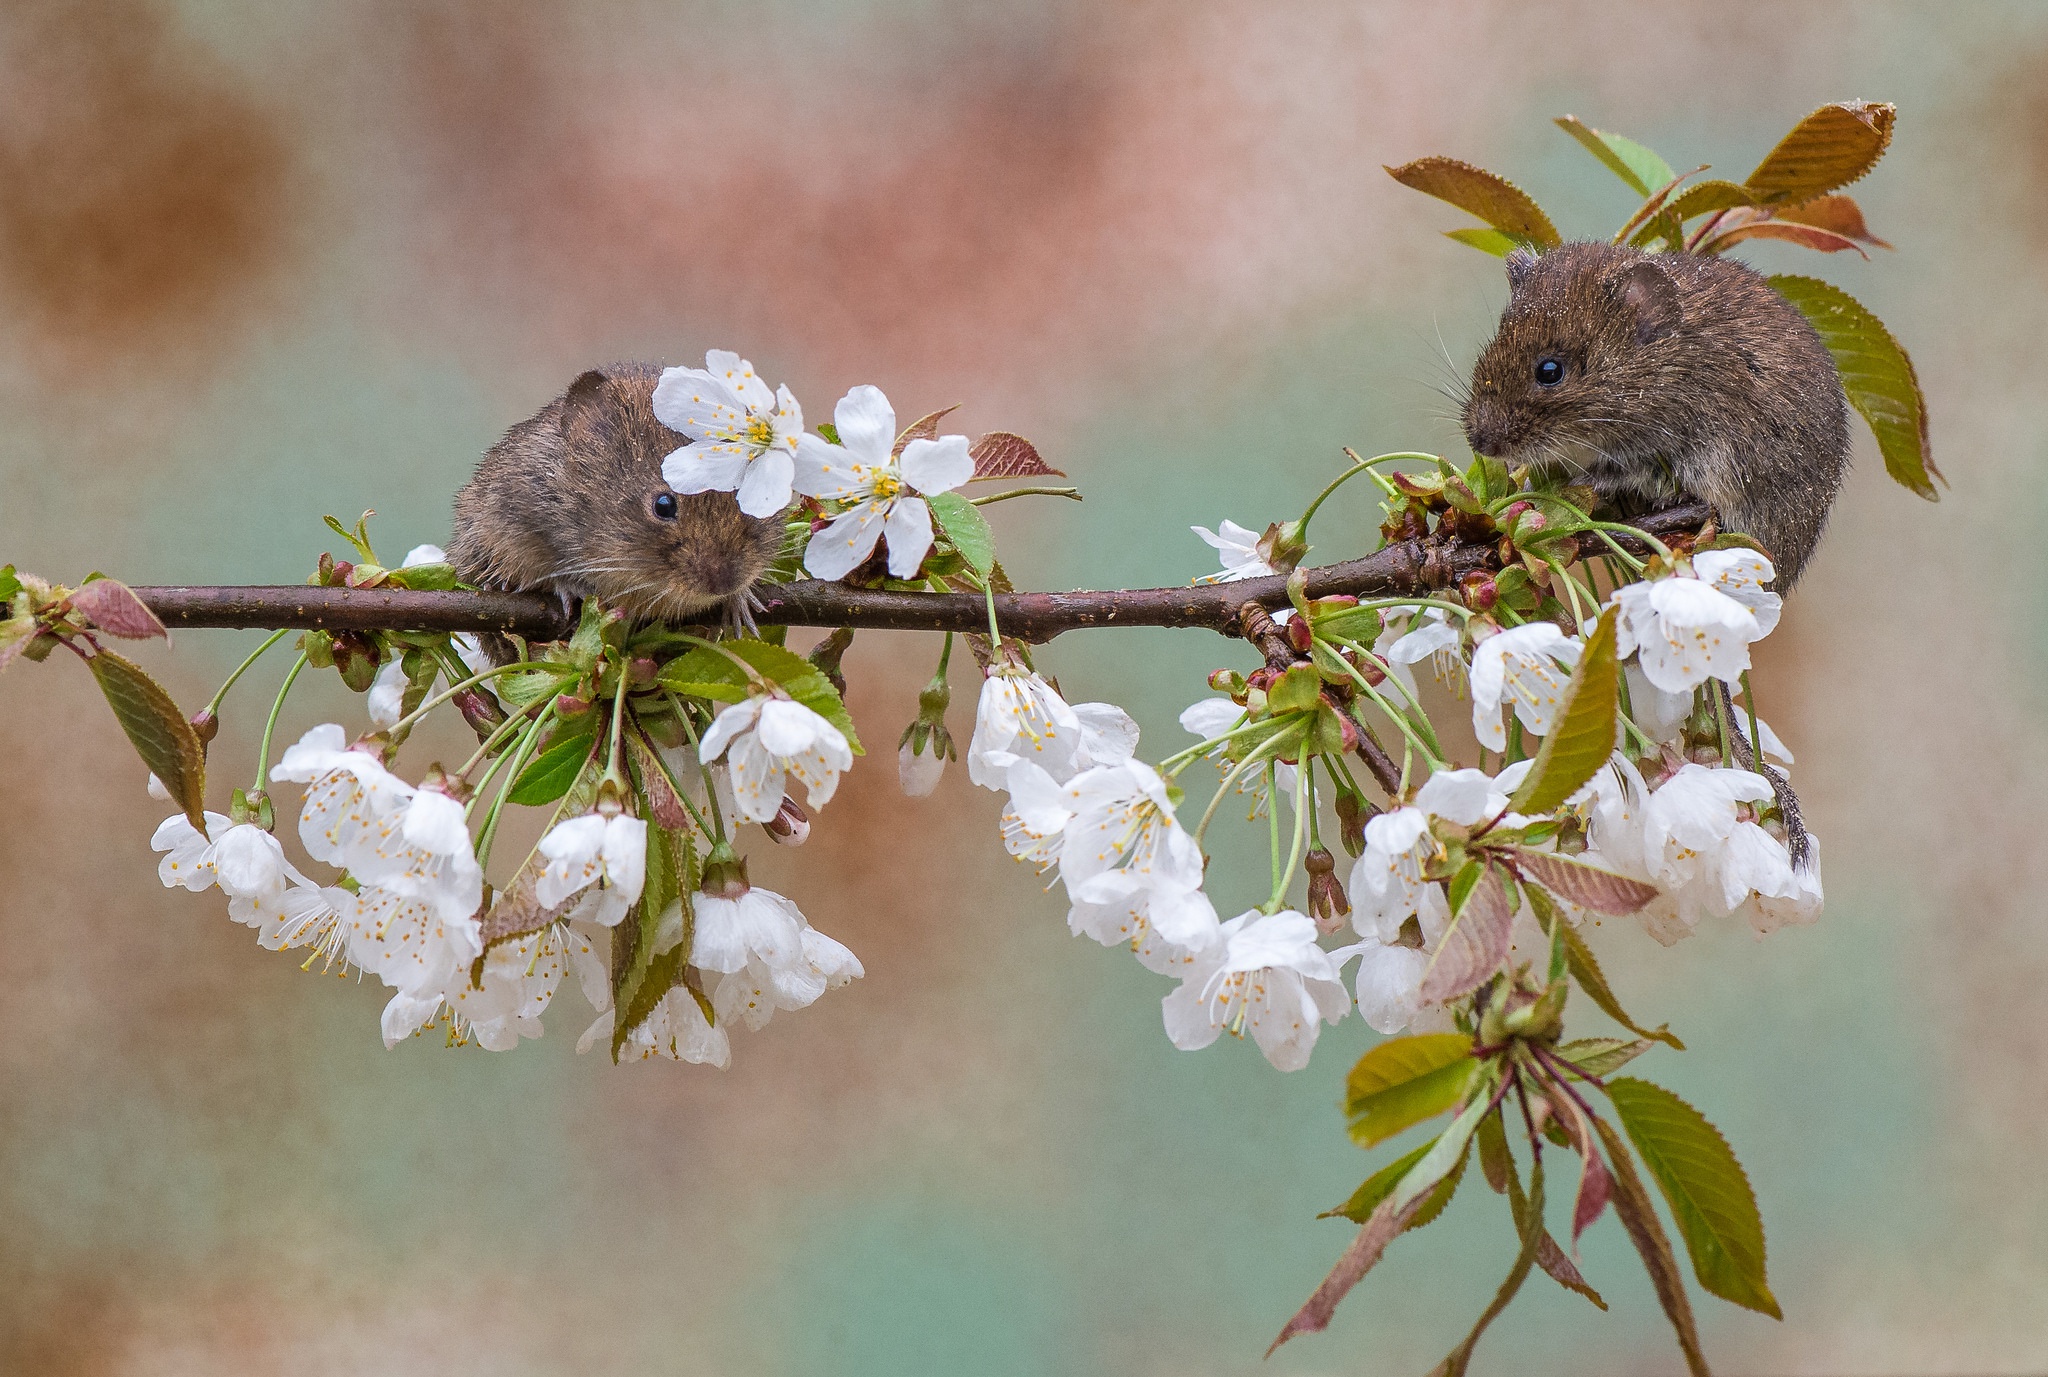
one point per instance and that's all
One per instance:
(566, 503)
(1683, 376)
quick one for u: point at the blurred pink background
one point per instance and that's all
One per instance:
(264, 261)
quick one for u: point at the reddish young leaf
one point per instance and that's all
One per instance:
(1475, 944)
(157, 729)
(1494, 199)
(923, 428)
(1830, 148)
(1595, 1186)
(1588, 886)
(1703, 198)
(113, 607)
(999, 454)
(1560, 1269)
(1835, 213)
(1806, 236)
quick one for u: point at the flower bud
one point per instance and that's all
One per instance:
(1513, 510)
(1227, 681)
(1262, 679)
(569, 705)
(1327, 902)
(324, 575)
(479, 711)
(206, 725)
(338, 571)
(1479, 591)
(641, 669)
(1298, 635)
(791, 825)
(357, 661)
(1283, 545)
(1353, 813)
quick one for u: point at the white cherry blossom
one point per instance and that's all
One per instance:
(766, 738)
(753, 993)
(676, 1029)
(1266, 976)
(1527, 666)
(1659, 714)
(919, 772)
(603, 859)
(753, 925)
(1684, 631)
(1034, 824)
(188, 858)
(1698, 848)
(1388, 982)
(742, 436)
(407, 942)
(1428, 636)
(1237, 549)
(877, 486)
(385, 701)
(1387, 885)
(1213, 717)
(1019, 715)
(1742, 574)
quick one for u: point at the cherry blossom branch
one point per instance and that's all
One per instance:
(1405, 568)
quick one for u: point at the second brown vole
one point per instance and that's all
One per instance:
(1654, 377)
(572, 502)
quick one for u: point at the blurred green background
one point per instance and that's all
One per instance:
(264, 261)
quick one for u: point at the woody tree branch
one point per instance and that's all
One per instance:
(1405, 568)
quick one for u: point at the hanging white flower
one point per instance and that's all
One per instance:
(1265, 976)
(1684, 631)
(305, 915)
(1659, 714)
(765, 738)
(1527, 666)
(1742, 574)
(188, 858)
(753, 994)
(861, 471)
(1166, 924)
(1699, 849)
(348, 792)
(753, 925)
(1429, 635)
(919, 772)
(407, 942)
(1237, 549)
(1123, 820)
(1387, 885)
(519, 981)
(604, 859)
(742, 437)
(676, 1029)
(1213, 717)
(1034, 823)
(1020, 716)
(1388, 982)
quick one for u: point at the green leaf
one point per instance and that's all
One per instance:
(828, 432)
(1586, 971)
(525, 689)
(1830, 148)
(1405, 1080)
(1588, 886)
(1494, 199)
(157, 730)
(1485, 240)
(1583, 738)
(1877, 377)
(966, 529)
(1462, 884)
(1475, 944)
(10, 582)
(553, 772)
(704, 673)
(1705, 1187)
(1704, 198)
(1375, 1188)
(1642, 169)
(1494, 1160)
(357, 538)
(432, 577)
(1602, 1056)
(1639, 1217)
(1360, 624)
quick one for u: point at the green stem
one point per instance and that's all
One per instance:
(497, 734)
(1273, 829)
(676, 788)
(1398, 718)
(1180, 760)
(213, 708)
(520, 667)
(270, 726)
(1756, 733)
(612, 771)
(1258, 755)
(519, 756)
(704, 769)
(1074, 493)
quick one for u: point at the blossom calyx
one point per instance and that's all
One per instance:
(725, 873)
(1327, 902)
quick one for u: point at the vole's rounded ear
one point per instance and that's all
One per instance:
(1647, 292)
(583, 404)
(1519, 263)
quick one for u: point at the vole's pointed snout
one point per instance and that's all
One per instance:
(1485, 428)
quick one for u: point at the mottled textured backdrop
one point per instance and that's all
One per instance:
(261, 261)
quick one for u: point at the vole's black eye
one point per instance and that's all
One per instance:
(665, 506)
(1549, 372)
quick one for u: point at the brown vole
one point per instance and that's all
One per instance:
(572, 502)
(1652, 377)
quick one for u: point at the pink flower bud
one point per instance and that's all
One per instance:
(790, 826)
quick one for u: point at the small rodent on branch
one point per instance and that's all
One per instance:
(1651, 377)
(572, 502)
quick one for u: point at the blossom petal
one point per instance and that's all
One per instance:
(847, 541)
(866, 424)
(823, 469)
(909, 529)
(699, 468)
(698, 404)
(937, 465)
(765, 489)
